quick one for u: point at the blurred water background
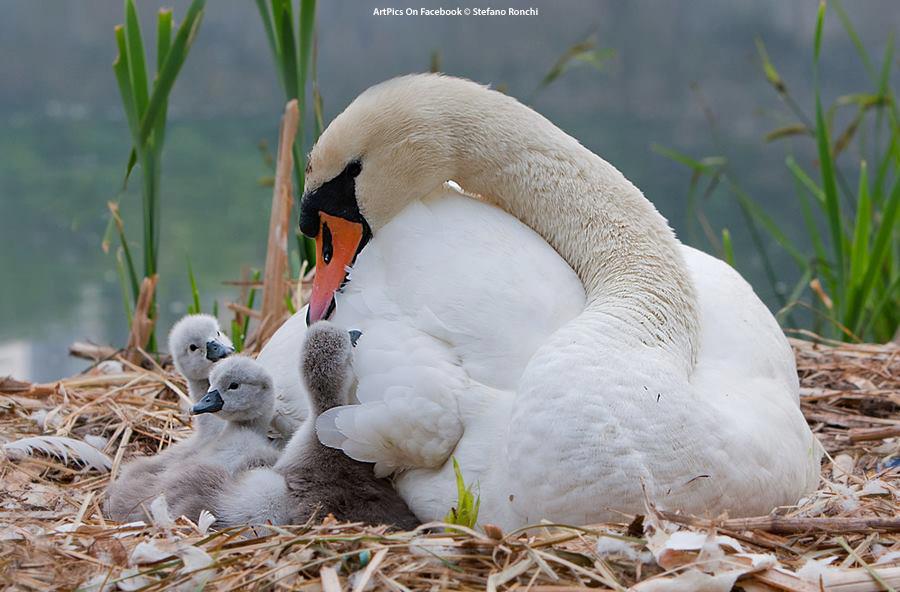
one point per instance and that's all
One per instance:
(683, 74)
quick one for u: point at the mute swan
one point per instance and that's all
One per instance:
(241, 394)
(308, 478)
(196, 343)
(669, 373)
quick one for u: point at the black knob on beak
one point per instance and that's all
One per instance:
(215, 351)
(210, 403)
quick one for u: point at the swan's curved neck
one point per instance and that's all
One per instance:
(616, 241)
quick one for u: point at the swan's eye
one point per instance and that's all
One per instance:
(327, 244)
(233, 386)
(193, 347)
(354, 168)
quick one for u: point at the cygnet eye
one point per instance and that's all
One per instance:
(193, 347)
(232, 386)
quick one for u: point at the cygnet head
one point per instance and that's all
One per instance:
(393, 144)
(240, 390)
(325, 365)
(196, 343)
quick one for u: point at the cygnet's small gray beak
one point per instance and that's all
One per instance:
(354, 337)
(215, 351)
(210, 403)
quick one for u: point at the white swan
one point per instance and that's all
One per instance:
(279, 358)
(667, 370)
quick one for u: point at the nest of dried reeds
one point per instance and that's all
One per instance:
(53, 534)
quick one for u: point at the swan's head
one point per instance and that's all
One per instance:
(196, 343)
(325, 365)
(240, 390)
(393, 144)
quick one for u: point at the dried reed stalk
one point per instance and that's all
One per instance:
(275, 287)
(142, 321)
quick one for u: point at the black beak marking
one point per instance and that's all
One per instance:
(210, 403)
(215, 351)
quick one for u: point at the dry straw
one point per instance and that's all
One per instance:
(54, 537)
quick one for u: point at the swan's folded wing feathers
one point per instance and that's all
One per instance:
(402, 430)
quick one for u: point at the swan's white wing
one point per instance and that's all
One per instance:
(745, 372)
(408, 387)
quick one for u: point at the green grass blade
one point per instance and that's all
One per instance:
(769, 69)
(766, 221)
(880, 248)
(136, 59)
(148, 199)
(195, 307)
(175, 59)
(793, 299)
(288, 51)
(132, 161)
(857, 42)
(705, 165)
(123, 285)
(884, 304)
(318, 108)
(727, 247)
(817, 43)
(465, 513)
(251, 299)
(237, 336)
(805, 179)
(122, 71)
(266, 18)
(163, 44)
(306, 30)
(583, 52)
(307, 27)
(815, 236)
(123, 242)
(163, 36)
(826, 163)
(278, 10)
(859, 250)
(787, 131)
(891, 156)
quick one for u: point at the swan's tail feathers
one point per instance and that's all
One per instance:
(63, 448)
(401, 431)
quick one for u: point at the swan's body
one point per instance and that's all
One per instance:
(561, 383)
(279, 357)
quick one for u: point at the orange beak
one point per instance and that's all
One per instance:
(336, 246)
